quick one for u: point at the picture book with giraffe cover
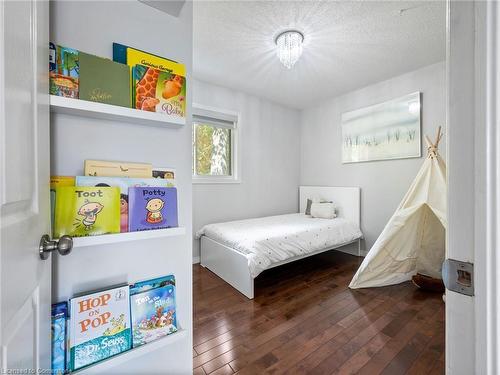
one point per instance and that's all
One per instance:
(156, 90)
(99, 326)
(124, 183)
(153, 312)
(86, 211)
(152, 208)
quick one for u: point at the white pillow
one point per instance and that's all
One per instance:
(323, 210)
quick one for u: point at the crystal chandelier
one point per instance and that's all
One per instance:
(289, 45)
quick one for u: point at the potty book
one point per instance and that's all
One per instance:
(86, 211)
(152, 208)
(99, 326)
(152, 305)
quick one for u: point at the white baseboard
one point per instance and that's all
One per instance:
(196, 260)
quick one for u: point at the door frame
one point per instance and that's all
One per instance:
(473, 155)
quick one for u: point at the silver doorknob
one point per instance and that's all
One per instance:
(63, 246)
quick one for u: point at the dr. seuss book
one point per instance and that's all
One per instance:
(116, 169)
(64, 71)
(159, 91)
(166, 174)
(59, 337)
(152, 306)
(99, 326)
(87, 211)
(104, 81)
(152, 208)
(124, 183)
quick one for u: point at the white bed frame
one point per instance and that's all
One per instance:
(232, 266)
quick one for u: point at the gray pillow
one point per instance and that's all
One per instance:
(310, 202)
(308, 207)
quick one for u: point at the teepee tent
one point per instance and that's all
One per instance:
(414, 238)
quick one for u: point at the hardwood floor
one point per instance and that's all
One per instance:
(305, 320)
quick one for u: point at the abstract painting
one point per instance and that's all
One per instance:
(389, 130)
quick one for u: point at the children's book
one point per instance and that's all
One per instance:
(64, 71)
(166, 174)
(159, 91)
(59, 337)
(170, 88)
(99, 326)
(104, 81)
(57, 181)
(124, 183)
(120, 54)
(117, 169)
(152, 208)
(87, 211)
(152, 306)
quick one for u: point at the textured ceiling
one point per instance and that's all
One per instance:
(348, 45)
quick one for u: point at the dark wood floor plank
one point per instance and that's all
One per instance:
(384, 357)
(305, 320)
(224, 370)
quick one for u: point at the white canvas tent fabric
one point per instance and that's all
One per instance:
(414, 238)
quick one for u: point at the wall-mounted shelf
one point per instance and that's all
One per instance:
(126, 237)
(119, 359)
(77, 107)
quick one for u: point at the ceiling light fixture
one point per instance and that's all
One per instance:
(289, 45)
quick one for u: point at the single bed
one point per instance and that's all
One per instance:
(238, 251)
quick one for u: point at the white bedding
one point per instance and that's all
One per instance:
(268, 240)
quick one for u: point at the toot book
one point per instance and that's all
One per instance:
(59, 339)
(124, 183)
(99, 326)
(152, 208)
(87, 211)
(159, 91)
(152, 306)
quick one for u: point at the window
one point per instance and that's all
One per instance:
(214, 146)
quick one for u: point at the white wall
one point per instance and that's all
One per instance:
(269, 152)
(383, 183)
(92, 26)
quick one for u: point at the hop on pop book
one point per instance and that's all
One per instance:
(153, 312)
(99, 326)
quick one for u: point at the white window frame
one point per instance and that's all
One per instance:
(229, 119)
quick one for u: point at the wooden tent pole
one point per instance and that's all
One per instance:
(438, 137)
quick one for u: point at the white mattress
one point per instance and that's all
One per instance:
(273, 239)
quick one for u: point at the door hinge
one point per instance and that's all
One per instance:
(458, 276)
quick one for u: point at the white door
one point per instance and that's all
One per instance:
(25, 294)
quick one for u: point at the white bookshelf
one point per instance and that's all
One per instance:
(87, 130)
(127, 237)
(107, 365)
(84, 108)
